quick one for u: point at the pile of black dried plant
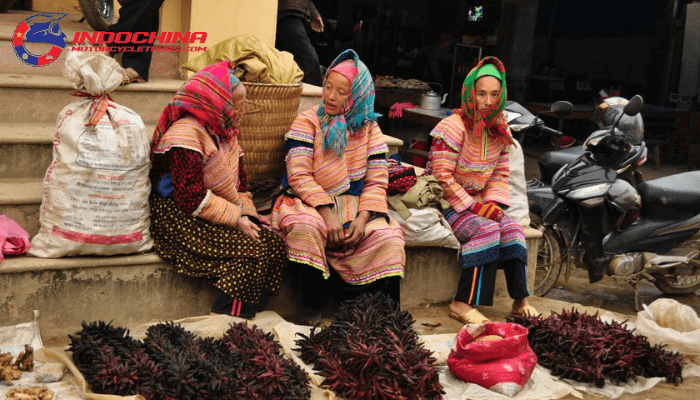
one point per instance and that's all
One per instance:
(370, 351)
(582, 347)
(171, 363)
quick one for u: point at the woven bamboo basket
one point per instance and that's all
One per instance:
(270, 110)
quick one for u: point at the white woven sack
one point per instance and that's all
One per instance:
(95, 193)
(669, 322)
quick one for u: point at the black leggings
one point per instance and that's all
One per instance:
(477, 284)
(225, 304)
(137, 16)
(312, 292)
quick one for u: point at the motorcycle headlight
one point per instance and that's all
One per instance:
(518, 127)
(592, 143)
(511, 115)
(589, 192)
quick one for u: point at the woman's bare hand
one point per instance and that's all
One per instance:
(317, 24)
(248, 227)
(357, 228)
(334, 230)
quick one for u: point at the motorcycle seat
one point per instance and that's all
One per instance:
(679, 191)
(556, 159)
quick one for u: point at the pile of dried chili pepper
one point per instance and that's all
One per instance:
(584, 348)
(370, 351)
(172, 363)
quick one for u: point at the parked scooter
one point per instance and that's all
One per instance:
(100, 14)
(598, 215)
(524, 124)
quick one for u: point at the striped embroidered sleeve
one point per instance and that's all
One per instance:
(245, 197)
(443, 158)
(497, 188)
(247, 205)
(373, 196)
(218, 210)
(299, 160)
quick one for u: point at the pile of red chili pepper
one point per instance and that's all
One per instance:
(584, 348)
(370, 351)
(172, 363)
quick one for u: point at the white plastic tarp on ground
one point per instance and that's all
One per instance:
(542, 384)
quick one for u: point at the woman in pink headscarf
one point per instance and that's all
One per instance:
(333, 215)
(203, 220)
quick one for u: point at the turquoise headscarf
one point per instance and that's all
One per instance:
(358, 109)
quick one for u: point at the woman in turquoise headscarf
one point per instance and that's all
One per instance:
(469, 157)
(333, 215)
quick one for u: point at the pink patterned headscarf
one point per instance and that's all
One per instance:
(347, 68)
(358, 108)
(207, 96)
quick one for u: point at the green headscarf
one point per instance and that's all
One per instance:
(477, 120)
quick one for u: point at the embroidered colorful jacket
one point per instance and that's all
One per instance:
(464, 163)
(222, 203)
(315, 175)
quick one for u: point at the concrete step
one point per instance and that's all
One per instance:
(26, 149)
(140, 288)
(26, 145)
(164, 64)
(127, 290)
(40, 98)
(20, 199)
(135, 289)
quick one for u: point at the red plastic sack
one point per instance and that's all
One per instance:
(503, 365)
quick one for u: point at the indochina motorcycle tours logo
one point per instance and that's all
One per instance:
(39, 29)
(35, 34)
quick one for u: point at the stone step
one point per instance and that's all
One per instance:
(26, 149)
(164, 64)
(135, 289)
(128, 290)
(40, 98)
(26, 152)
(20, 199)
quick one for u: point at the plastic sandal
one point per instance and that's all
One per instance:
(527, 310)
(473, 316)
(132, 77)
(312, 323)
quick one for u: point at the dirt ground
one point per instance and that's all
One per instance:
(604, 295)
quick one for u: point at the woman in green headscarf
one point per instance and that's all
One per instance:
(469, 157)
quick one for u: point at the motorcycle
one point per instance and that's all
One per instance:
(523, 124)
(596, 212)
(98, 13)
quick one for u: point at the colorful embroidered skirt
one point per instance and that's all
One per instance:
(484, 240)
(229, 259)
(379, 254)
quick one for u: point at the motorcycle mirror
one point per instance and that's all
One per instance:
(562, 109)
(634, 106)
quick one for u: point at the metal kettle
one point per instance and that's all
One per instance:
(431, 100)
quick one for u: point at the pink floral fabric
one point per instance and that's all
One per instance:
(13, 239)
